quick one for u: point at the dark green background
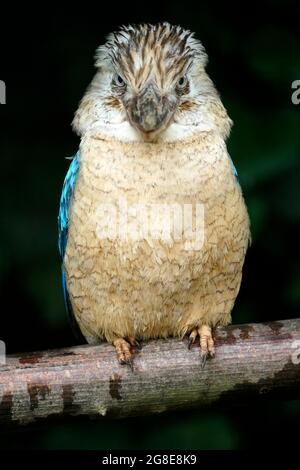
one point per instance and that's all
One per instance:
(47, 61)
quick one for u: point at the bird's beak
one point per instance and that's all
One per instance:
(150, 112)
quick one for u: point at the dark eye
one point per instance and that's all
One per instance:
(182, 82)
(119, 80)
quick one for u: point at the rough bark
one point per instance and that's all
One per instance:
(252, 361)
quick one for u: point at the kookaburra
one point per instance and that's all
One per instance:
(152, 152)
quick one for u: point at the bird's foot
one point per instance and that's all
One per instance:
(123, 349)
(206, 342)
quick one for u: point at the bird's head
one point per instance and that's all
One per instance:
(151, 85)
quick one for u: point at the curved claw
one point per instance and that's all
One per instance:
(128, 362)
(203, 358)
(192, 338)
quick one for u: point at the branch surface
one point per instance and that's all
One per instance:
(252, 361)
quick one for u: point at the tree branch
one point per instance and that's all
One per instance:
(252, 361)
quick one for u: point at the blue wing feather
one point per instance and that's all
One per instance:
(63, 222)
(234, 171)
(65, 202)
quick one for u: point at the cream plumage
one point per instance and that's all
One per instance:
(153, 132)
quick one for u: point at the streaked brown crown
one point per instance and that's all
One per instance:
(139, 50)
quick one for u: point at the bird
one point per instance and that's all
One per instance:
(151, 166)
